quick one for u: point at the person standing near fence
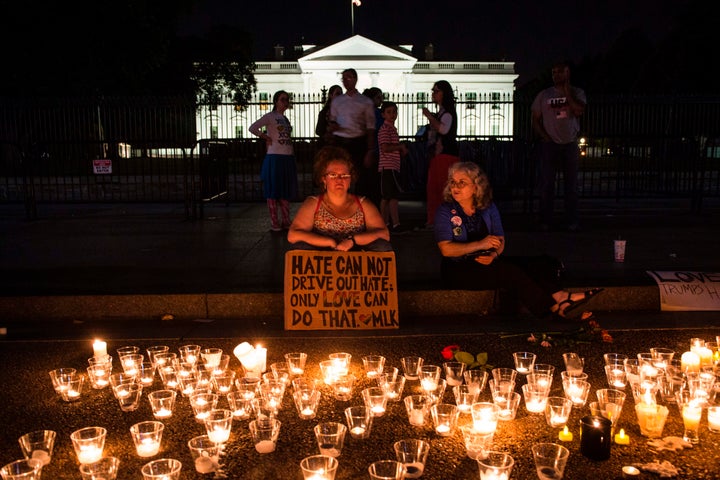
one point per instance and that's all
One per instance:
(353, 123)
(442, 145)
(321, 127)
(278, 172)
(555, 121)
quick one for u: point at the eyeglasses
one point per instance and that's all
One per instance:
(338, 176)
(460, 184)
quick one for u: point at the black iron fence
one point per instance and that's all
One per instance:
(146, 150)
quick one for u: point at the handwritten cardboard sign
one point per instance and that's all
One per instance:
(340, 290)
(685, 291)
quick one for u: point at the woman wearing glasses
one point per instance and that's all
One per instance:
(471, 239)
(337, 219)
(442, 142)
(278, 172)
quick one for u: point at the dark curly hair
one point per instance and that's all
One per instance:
(331, 154)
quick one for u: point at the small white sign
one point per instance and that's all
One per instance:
(687, 291)
(102, 167)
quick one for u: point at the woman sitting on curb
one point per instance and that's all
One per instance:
(337, 219)
(471, 239)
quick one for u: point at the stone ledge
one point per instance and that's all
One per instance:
(254, 305)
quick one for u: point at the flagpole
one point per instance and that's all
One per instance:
(352, 18)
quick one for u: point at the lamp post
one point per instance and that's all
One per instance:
(353, 4)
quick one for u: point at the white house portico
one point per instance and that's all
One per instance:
(394, 70)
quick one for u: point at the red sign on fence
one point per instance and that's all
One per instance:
(102, 167)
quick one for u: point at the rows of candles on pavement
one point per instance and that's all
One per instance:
(202, 374)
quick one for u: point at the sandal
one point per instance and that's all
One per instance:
(575, 304)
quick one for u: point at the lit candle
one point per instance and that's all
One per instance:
(89, 454)
(495, 475)
(41, 456)
(565, 435)
(536, 406)
(148, 447)
(307, 411)
(265, 446)
(357, 431)
(714, 418)
(162, 413)
(428, 384)
(99, 348)
(621, 438)
(220, 435)
(706, 355)
(690, 362)
(261, 357)
(522, 370)
(204, 464)
(442, 429)
(418, 418)
(378, 410)
(691, 414)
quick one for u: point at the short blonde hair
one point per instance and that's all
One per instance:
(483, 191)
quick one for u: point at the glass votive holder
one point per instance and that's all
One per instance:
(70, 386)
(496, 466)
(21, 470)
(188, 383)
(281, 371)
(99, 376)
(128, 396)
(411, 367)
(240, 405)
(190, 353)
(202, 404)
(248, 386)
(296, 363)
(535, 398)
(500, 390)
(418, 408)
(412, 453)
(577, 391)
(146, 374)
(445, 418)
(464, 397)
(223, 382)
(394, 389)
(38, 445)
(88, 443)
(341, 362)
(154, 350)
(218, 425)
(524, 362)
(574, 363)
(131, 362)
(205, 454)
(162, 469)
(127, 350)
(557, 411)
(508, 405)
(106, 469)
(147, 437)
(169, 377)
(437, 395)
(713, 415)
(651, 419)
(611, 401)
(539, 381)
(359, 421)
(306, 403)
(221, 366)
(162, 403)
(375, 400)
(661, 357)
(386, 470)
(265, 434)
(330, 438)
(477, 444)
(429, 376)
(545, 368)
(373, 365)
(632, 370)
(329, 372)
(165, 359)
(389, 374)
(616, 376)
(343, 387)
(612, 358)
(319, 467)
(121, 378)
(502, 375)
(211, 357)
(485, 417)
(476, 379)
(454, 372)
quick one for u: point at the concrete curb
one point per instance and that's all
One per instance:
(424, 303)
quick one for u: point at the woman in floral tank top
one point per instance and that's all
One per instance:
(337, 219)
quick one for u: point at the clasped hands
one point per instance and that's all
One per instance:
(491, 242)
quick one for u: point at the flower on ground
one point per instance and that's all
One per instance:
(589, 332)
(455, 353)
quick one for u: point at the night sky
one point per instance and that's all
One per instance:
(530, 33)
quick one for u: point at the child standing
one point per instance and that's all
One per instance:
(389, 166)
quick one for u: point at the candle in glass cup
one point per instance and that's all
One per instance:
(714, 418)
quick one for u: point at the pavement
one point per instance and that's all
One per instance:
(142, 261)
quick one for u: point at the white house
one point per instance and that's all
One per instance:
(402, 78)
